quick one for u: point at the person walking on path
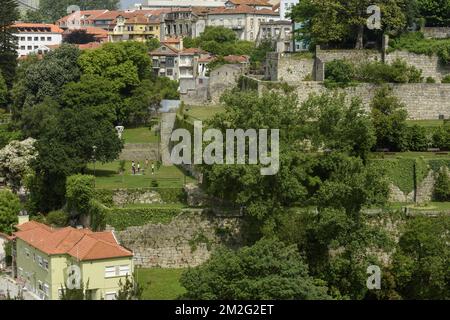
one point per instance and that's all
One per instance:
(133, 167)
(139, 167)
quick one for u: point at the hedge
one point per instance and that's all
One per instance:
(168, 195)
(122, 218)
(104, 196)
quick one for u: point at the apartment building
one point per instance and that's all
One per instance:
(190, 22)
(76, 20)
(135, 27)
(36, 37)
(257, 4)
(243, 19)
(279, 33)
(44, 258)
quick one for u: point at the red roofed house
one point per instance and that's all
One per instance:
(46, 259)
(36, 37)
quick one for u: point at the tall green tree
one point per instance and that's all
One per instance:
(334, 21)
(269, 270)
(9, 210)
(435, 12)
(8, 44)
(3, 92)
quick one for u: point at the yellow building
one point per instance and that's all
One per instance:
(46, 258)
(135, 27)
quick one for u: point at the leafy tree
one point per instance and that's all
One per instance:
(53, 10)
(76, 293)
(435, 12)
(416, 137)
(8, 54)
(268, 270)
(9, 210)
(129, 290)
(340, 72)
(79, 193)
(79, 36)
(389, 119)
(337, 21)
(152, 44)
(258, 55)
(420, 264)
(339, 125)
(57, 218)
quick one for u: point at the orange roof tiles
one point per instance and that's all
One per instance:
(40, 27)
(82, 244)
(90, 45)
(251, 2)
(236, 59)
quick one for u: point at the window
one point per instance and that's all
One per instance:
(49, 38)
(169, 72)
(40, 286)
(29, 38)
(22, 38)
(124, 270)
(110, 296)
(27, 252)
(45, 264)
(35, 47)
(42, 38)
(110, 272)
(29, 48)
(36, 38)
(22, 47)
(46, 289)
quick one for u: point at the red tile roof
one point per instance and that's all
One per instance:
(85, 15)
(38, 27)
(251, 2)
(82, 244)
(90, 45)
(236, 59)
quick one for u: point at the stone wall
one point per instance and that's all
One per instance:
(430, 65)
(424, 192)
(129, 196)
(187, 241)
(353, 55)
(436, 32)
(424, 101)
(288, 67)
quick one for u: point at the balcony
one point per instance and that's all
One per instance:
(185, 63)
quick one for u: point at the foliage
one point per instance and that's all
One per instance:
(415, 42)
(79, 36)
(152, 44)
(259, 54)
(104, 196)
(420, 265)
(338, 21)
(9, 210)
(53, 10)
(341, 72)
(396, 72)
(79, 193)
(416, 138)
(57, 218)
(76, 293)
(442, 185)
(446, 79)
(7, 135)
(3, 92)
(389, 119)
(269, 270)
(430, 80)
(97, 212)
(15, 161)
(130, 289)
(435, 12)
(8, 55)
(122, 218)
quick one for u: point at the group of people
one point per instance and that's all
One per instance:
(136, 168)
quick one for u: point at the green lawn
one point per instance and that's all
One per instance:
(160, 284)
(427, 155)
(439, 206)
(140, 135)
(203, 113)
(107, 176)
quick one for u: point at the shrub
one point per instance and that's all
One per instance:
(446, 79)
(397, 72)
(104, 196)
(441, 137)
(339, 72)
(416, 138)
(122, 218)
(98, 213)
(57, 218)
(430, 80)
(442, 186)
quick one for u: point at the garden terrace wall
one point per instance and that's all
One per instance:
(423, 101)
(436, 32)
(288, 67)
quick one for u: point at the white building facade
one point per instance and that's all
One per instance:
(285, 8)
(32, 37)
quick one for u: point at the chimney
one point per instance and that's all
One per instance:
(23, 218)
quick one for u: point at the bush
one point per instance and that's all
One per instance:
(416, 137)
(442, 186)
(430, 80)
(446, 79)
(397, 72)
(441, 137)
(122, 218)
(340, 72)
(57, 218)
(98, 213)
(104, 196)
